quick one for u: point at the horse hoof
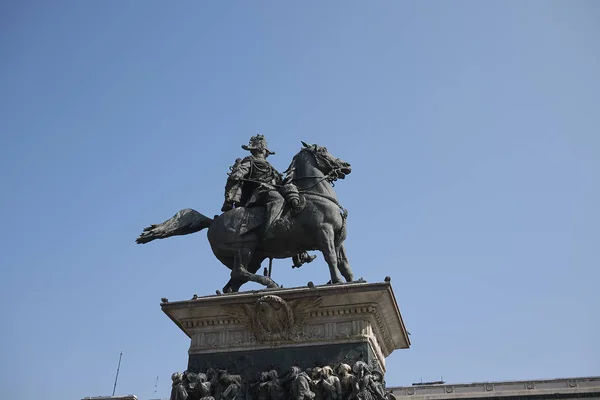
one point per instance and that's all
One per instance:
(273, 285)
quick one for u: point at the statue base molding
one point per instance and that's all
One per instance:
(247, 333)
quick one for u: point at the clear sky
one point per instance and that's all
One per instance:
(473, 129)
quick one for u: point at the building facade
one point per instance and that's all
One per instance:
(564, 388)
(128, 397)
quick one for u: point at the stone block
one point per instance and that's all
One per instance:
(255, 331)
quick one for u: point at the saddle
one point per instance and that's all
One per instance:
(254, 217)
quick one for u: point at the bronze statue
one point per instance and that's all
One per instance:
(346, 381)
(300, 385)
(262, 389)
(254, 182)
(275, 391)
(203, 387)
(364, 384)
(272, 216)
(378, 385)
(228, 386)
(332, 389)
(178, 390)
(316, 383)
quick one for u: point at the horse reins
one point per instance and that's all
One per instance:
(331, 177)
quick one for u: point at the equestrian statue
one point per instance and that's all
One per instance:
(270, 215)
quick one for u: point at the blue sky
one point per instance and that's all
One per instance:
(472, 128)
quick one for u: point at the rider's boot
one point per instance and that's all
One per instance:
(292, 196)
(302, 258)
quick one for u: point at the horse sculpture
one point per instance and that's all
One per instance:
(320, 225)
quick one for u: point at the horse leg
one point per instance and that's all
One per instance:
(329, 252)
(234, 285)
(240, 273)
(344, 265)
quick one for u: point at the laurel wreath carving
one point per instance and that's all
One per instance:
(272, 319)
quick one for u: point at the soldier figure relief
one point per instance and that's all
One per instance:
(314, 384)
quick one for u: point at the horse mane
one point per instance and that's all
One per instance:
(290, 172)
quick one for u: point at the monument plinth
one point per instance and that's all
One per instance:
(256, 331)
(311, 343)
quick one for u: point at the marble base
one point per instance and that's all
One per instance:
(276, 328)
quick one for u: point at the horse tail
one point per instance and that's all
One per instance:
(184, 222)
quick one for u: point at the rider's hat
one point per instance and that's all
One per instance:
(257, 142)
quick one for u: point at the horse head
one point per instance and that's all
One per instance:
(328, 164)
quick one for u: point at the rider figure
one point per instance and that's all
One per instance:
(253, 182)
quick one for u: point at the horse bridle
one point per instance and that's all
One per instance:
(332, 176)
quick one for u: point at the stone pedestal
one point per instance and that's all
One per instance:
(249, 332)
